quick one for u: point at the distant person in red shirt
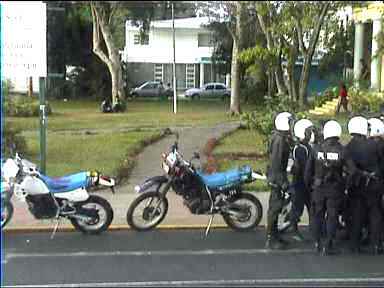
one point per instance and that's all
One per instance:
(343, 98)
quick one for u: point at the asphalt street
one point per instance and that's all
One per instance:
(176, 258)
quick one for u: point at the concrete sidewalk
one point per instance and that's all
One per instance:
(178, 215)
(148, 164)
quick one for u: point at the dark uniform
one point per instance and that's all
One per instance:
(301, 195)
(324, 175)
(365, 194)
(278, 150)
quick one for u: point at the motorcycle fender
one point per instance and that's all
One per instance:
(77, 195)
(153, 181)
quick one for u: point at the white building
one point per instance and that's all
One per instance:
(150, 56)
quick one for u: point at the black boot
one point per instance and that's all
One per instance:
(328, 249)
(273, 243)
(376, 249)
(296, 235)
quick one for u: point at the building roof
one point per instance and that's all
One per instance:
(185, 23)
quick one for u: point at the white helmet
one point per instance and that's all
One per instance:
(358, 125)
(331, 129)
(300, 127)
(376, 127)
(282, 121)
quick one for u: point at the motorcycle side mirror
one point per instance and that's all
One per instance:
(177, 136)
(196, 155)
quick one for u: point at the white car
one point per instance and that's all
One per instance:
(209, 90)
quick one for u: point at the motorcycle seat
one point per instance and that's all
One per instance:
(227, 178)
(67, 183)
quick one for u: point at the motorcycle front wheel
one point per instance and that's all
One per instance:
(249, 213)
(97, 214)
(147, 211)
(6, 213)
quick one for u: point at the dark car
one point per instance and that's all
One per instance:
(150, 89)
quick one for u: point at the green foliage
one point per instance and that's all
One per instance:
(363, 101)
(7, 87)
(23, 106)
(258, 53)
(262, 120)
(327, 95)
(12, 136)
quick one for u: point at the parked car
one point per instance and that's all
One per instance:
(209, 90)
(151, 89)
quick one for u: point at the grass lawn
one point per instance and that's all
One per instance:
(70, 153)
(79, 115)
(105, 149)
(247, 142)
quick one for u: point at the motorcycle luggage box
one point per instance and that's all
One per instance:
(227, 179)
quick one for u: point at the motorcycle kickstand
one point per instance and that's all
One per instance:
(209, 225)
(58, 218)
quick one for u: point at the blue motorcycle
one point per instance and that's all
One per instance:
(219, 193)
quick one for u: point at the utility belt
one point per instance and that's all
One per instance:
(329, 178)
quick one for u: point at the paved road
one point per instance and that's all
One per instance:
(176, 258)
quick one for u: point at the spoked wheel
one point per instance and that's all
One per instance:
(147, 211)
(244, 213)
(94, 215)
(6, 213)
(283, 221)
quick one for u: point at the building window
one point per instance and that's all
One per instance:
(205, 40)
(159, 71)
(190, 76)
(141, 39)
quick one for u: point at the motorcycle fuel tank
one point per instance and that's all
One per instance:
(33, 186)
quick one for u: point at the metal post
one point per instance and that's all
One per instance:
(174, 63)
(43, 125)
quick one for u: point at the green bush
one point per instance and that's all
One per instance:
(327, 95)
(12, 136)
(23, 106)
(363, 101)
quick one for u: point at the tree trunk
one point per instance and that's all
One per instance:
(101, 30)
(235, 81)
(308, 55)
(304, 78)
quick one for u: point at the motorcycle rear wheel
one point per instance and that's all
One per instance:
(99, 224)
(150, 215)
(6, 213)
(255, 213)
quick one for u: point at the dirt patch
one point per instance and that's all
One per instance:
(241, 156)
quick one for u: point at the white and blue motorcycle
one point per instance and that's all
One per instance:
(56, 198)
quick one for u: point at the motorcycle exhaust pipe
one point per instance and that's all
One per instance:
(81, 217)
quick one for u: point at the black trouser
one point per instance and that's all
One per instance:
(343, 101)
(300, 198)
(326, 200)
(365, 207)
(274, 209)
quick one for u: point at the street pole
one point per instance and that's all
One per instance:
(174, 63)
(43, 125)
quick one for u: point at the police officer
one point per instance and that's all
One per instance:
(376, 133)
(323, 173)
(365, 191)
(300, 153)
(278, 150)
